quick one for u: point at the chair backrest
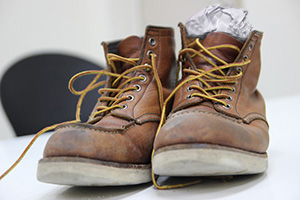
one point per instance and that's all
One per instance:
(34, 91)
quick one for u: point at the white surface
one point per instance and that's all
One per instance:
(281, 181)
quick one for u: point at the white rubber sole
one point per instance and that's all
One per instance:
(207, 160)
(88, 172)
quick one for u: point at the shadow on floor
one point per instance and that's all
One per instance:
(208, 188)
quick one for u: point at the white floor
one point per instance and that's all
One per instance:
(281, 181)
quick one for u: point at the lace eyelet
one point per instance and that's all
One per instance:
(124, 106)
(232, 90)
(182, 59)
(250, 46)
(138, 87)
(229, 98)
(189, 89)
(149, 52)
(189, 96)
(245, 57)
(130, 98)
(152, 41)
(239, 69)
(144, 78)
(228, 106)
(147, 69)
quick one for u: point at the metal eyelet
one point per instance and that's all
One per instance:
(152, 41)
(144, 78)
(189, 96)
(189, 89)
(182, 59)
(250, 46)
(124, 106)
(245, 57)
(147, 69)
(232, 90)
(228, 106)
(229, 98)
(130, 98)
(138, 87)
(239, 69)
(149, 52)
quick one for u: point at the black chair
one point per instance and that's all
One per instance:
(34, 91)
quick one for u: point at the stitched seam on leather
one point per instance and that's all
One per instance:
(218, 115)
(263, 118)
(147, 117)
(254, 113)
(141, 96)
(188, 104)
(94, 129)
(153, 77)
(254, 40)
(148, 114)
(257, 118)
(158, 33)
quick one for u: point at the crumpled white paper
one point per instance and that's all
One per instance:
(216, 18)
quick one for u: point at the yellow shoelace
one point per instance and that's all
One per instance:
(113, 100)
(212, 83)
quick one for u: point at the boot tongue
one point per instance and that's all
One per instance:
(130, 48)
(226, 54)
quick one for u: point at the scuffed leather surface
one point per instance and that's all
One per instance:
(131, 145)
(200, 125)
(197, 120)
(124, 136)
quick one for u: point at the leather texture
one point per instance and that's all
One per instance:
(124, 135)
(197, 120)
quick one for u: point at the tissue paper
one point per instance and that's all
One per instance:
(216, 18)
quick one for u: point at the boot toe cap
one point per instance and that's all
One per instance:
(196, 126)
(81, 141)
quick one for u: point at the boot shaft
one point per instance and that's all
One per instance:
(245, 101)
(158, 41)
(249, 103)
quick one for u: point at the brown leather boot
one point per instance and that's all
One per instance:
(114, 147)
(217, 125)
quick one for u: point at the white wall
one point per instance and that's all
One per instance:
(68, 26)
(78, 27)
(279, 20)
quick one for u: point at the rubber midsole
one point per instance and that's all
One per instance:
(207, 160)
(83, 171)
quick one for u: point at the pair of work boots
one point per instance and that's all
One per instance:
(210, 123)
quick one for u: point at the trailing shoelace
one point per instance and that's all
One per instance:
(113, 99)
(212, 83)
